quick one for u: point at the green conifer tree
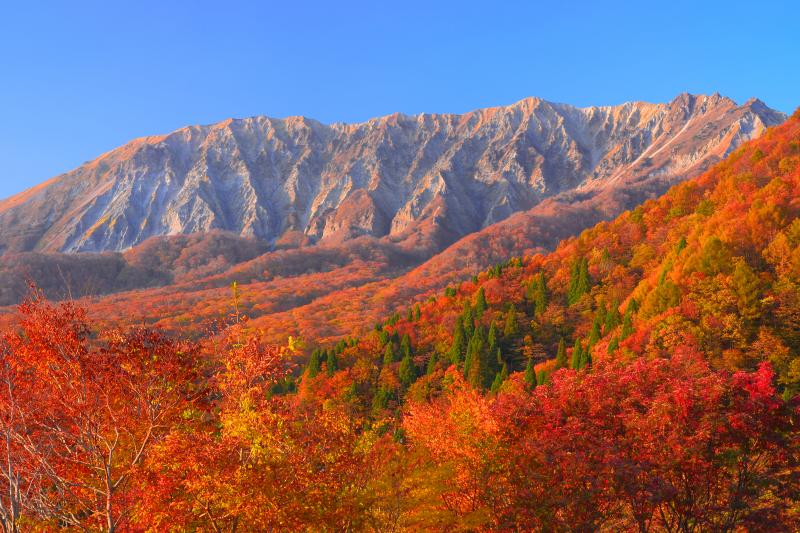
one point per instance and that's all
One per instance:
(431, 364)
(407, 372)
(612, 318)
(541, 378)
(600, 314)
(594, 334)
(388, 355)
(480, 303)
(477, 358)
(468, 320)
(331, 362)
(380, 400)
(499, 379)
(561, 354)
(577, 354)
(530, 375)
(613, 346)
(405, 346)
(539, 296)
(586, 358)
(511, 327)
(314, 363)
(474, 347)
(456, 352)
(492, 337)
(627, 320)
(468, 363)
(478, 372)
(580, 282)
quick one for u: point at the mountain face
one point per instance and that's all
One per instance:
(424, 180)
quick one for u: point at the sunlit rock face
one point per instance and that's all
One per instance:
(426, 178)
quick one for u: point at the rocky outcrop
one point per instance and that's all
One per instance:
(426, 180)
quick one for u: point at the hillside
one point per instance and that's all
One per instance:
(713, 263)
(647, 148)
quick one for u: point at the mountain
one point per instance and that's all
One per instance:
(622, 382)
(424, 180)
(713, 264)
(643, 376)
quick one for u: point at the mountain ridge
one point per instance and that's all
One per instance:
(426, 179)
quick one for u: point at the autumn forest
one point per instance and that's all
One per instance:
(644, 376)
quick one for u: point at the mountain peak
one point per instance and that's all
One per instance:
(434, 177)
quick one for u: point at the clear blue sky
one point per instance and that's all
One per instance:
(78, 78)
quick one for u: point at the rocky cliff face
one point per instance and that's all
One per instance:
(425, 179)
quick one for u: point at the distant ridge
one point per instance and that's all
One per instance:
(423, 181)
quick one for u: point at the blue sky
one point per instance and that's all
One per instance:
(79, 78)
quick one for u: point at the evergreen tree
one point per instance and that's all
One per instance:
(492, 337)
(381, 399)
(477, 357)
(541, 296)
(579, 283)
(530, 375)
(388, 355)
(331, 363)
(405, 346)
(612, 318)
(613, 346)
(314, 363)
(417, 313)
(459, 341)
(407, 372)
(627, 320)
(541, 378)
(468, 320)
(577, 355)
(468, 363)
(586, 358)
(474, 347)
(480, 303)
(478, 372)
(511, 327)
(594, 334)
(561, 355)
(600, 314)
(431, 364)
(499, 379)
